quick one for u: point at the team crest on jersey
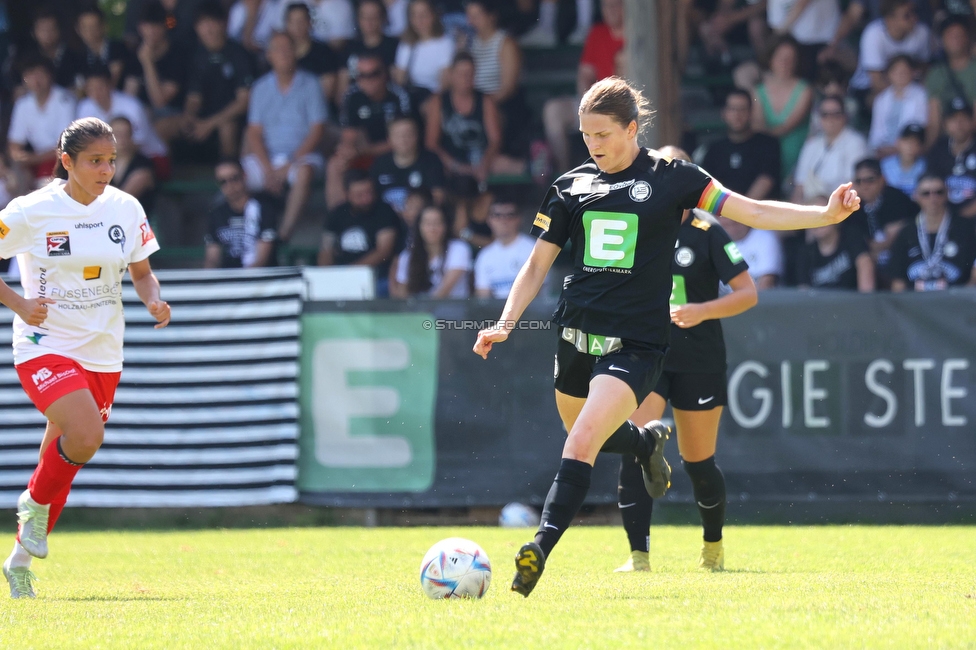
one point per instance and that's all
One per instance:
(640, 191)
(684, 256)
(58, 244)
(117, 235)
(147, 233)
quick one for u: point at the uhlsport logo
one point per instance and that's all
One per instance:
(41, 375)
(58, 244)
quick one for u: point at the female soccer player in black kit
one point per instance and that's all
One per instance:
(693, 379)
(621, 210)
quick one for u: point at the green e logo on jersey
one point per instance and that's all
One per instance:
(735, 256)
(611, 238)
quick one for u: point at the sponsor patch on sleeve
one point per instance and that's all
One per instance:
(542, 221)
(4, 229)
(733, 252)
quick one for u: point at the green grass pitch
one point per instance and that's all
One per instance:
(784, 587)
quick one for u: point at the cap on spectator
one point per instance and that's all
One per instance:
(913, 131)
(957, 105)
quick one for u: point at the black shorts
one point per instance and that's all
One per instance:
(693, 391)
(638, 365)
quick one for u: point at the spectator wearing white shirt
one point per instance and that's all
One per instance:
(898, 31)
(760, 249)
(811, 22)
(435, 266)
(425, 52)
(499, 262)
(396, 13)
(37, 121)
(103, 102)
(902, 103)
(827, 160)
(252, 23)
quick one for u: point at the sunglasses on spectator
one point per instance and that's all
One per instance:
(831, 113)
(236, 178)
(864, 180)
(927, 193)
(370, 74)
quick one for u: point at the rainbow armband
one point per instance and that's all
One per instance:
(713, 198)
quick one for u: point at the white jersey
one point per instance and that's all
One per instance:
(75, 255)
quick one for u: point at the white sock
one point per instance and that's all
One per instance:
(19, 557)
(547, 15)
(584, 14)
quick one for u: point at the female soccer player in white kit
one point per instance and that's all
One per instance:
(75, 238)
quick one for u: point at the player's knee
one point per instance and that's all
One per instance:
(86, 436)
(705, 475)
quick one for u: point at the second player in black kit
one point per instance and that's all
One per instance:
(620, 211)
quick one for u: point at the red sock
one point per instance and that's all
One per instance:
(53, 476)
(53, 515)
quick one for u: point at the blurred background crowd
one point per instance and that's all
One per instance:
(414, 136)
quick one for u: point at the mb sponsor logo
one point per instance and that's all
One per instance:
(41, 375)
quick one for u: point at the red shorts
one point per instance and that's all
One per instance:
(48, 378)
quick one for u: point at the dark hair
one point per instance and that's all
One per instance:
(872, 164)
(212, 9)
(930, 176)
(831, 71)
(418, 265)
(889, 7)
(409, 36)
(76, 139)
(461, 57)
(121, 118)
(834, 98)
(740, 92)
(619, 100)
(99, 70)
(36, 60)
(90, 8)
(900, 58)
(46, 12)
(489, 8)
(355, 176)
(298, 6)
(384, 18)
(955, 20)
(153, 13)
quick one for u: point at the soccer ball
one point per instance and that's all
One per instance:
(455, 568)
(518, 515)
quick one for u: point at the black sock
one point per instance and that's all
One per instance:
(635, 504)
(563, 502)
(709, 487)
(627, 439)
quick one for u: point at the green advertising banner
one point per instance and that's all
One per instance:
(368, 388)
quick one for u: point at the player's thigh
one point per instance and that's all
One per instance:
(571, 379)
(51, 433)
(652, 408)
(76, 415)
(697, 433)
(609, 404)
(569, 408)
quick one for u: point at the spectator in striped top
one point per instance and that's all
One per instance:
(497, 66)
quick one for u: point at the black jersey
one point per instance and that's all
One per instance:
(704, 255)
(623, 228)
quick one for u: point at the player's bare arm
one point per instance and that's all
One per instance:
(147, 286)
(777, 215)
(32, 310)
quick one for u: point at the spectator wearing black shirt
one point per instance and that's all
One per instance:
(242, 228)
(953, 157)
(407, 166)
(313, 56)
(884, 212)
(135, 173)
(938, 249)
(744, 161)
(158, 74)
(101, 51)
(50, 45)
(219, 82)
(367, 109)
(835, 260)
(362, 231)
(371, 20)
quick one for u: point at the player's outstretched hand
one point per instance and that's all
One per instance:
(159, 310)
(843, 202)
(486, 338)
(689, 315)
(34, 311)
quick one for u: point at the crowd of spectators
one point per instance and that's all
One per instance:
(403, 111)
